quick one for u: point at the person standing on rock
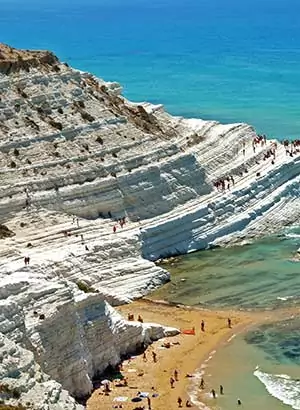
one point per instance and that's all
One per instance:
(202, 384)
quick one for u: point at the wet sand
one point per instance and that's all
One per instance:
(186, 354)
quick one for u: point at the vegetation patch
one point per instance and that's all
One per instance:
(85, 288)
(5, 233)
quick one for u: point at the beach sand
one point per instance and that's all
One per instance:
(186, 356)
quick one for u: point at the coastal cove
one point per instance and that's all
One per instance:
(95, 189)
(262, 274)
(260, 365)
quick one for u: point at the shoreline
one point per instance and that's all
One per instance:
(188, 354)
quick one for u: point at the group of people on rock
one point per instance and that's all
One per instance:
(224, 183)
(291, 147)
(271, 153)
(259, 140)
(121, 222)
(130, 317)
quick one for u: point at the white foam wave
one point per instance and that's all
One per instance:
(284, 298)
(281, 386)
(292, 235)
(194, 390)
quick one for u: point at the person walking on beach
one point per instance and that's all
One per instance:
(154, 356)
(149, 403)
(221, 389)
(179, 401)
(176, 375)
(172, 381)
(229, 322)
(239, 402)
(213, 392)
(114, 229)
(202, 384)
(144, 357)
(202, 326)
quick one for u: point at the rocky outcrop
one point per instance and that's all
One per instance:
(23, 383)
(13, 60)
(63, 334)
(76, 156)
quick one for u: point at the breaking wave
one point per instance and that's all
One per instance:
(281, 386)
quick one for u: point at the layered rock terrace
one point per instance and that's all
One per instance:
(75, 156)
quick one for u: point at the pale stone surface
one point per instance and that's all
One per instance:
(71, 145)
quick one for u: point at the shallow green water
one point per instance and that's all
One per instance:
(262, 367)
(256, 369)
(259, 275)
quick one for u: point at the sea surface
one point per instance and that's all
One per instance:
(261, 367)
(232, 61)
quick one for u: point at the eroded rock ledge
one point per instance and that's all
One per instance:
(13, 60)
(75, 156)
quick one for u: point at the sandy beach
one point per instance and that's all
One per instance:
(185, 355)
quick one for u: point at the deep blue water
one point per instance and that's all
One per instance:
(228, 60)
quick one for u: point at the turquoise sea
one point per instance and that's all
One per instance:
(232, 61)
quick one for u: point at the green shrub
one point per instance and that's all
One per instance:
(85, 288)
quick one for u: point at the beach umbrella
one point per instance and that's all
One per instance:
(105, 382)
(135, 399)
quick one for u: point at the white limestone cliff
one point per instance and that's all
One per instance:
(75, 155)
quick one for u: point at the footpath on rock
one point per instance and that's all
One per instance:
(77, 160)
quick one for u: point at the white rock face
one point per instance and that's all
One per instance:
(73, 335)
(75, 156)
(26, 383)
